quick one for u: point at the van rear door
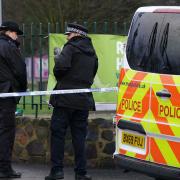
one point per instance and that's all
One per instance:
(132, 114)
(165, 95)
(134, 87)
(165, 120)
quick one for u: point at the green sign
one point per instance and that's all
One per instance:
(110, 50)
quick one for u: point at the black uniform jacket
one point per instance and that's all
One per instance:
(13, 76)
(75, 68)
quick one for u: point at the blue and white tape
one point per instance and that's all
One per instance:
(67, 91)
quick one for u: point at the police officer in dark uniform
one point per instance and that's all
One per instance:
(75, 68)
(12, 79)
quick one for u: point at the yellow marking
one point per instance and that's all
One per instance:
(165, 107)
(164, 146)
(167, 152)
(130, 154)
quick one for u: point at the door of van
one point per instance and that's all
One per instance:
(133, 108)
(135, 85)
(132, 114)
(165, 120)
(165, 96)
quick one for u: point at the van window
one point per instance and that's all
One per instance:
(153, 43)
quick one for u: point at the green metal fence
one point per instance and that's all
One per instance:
(34, 43)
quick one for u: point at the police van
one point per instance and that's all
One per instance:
(147, 118)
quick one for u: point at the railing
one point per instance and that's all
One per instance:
(34, 45)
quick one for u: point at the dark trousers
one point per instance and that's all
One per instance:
(7, 131)
(77, 121)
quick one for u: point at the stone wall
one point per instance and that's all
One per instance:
(32, 142)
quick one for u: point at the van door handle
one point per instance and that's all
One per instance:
(163, 93)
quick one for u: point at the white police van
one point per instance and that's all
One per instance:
(148, 109)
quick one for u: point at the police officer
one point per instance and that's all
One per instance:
(12, 79)
(75, 68)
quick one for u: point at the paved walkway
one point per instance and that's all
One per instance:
(38, 172)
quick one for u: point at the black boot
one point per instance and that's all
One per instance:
(82, 177)
(10, 173)
(55, 174)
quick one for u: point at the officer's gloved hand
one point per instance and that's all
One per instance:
(57, 52)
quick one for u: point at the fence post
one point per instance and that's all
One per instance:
(115, 28)
(125, 27)
(32, 63)
(95, 27)
(57, 27)
(40, 59)
(85, 23)
(105, 27)
(49, 31)
(65, 26)
(23, 44)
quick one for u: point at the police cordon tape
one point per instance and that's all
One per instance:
(66, 91)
